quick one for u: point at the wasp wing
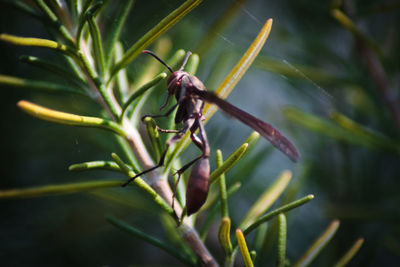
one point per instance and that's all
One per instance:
(263, 128)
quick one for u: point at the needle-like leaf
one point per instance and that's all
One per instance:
(276, 212)
(55, 21)
(68, 118)
(240, 68)
(348, 24)
(343, 261)
(140, 91)
(224, 235)
(97, 43)
(30, 41)
(218, 26)
(222, 187)
(244, 251)
(150, 239)
(115, 28)
(266, 199)
(143, 185)
(318, 245)
(282, 232)
(154, 136)
(93, 165)
(56, 69)
(37, 85)
(154, 33)
(46, 190)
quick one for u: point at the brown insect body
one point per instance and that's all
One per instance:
(190, 94)
(190, 112)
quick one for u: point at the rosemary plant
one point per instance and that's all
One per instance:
(95, 67)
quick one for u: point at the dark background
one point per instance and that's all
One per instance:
(357, 185)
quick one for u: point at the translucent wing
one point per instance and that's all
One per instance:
(263, 128)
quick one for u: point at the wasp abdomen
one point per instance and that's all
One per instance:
(197, 190)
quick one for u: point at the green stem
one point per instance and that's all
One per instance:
(144, 186)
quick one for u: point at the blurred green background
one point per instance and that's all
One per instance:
(310, 62)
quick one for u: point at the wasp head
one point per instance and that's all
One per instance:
(174, 81)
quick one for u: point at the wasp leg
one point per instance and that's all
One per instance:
(166, 114)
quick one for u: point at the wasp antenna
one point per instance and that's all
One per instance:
(188, 54)
(159, 59)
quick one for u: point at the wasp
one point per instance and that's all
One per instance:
(191, 95)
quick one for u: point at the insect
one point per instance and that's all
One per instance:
(191, 94)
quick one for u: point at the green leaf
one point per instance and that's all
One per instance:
(192, 64)
(56, 69)
(121, 80)
(68, 118)
(265, 201)
(150, 70)
(343, 261)
(97, 44)
(240, 68)
(213, 204)
(26, 8)
(150, 239)
(317, 75)
(55, 21)
(140, 91)
(154, 136)
(369, 137)
(282, 232)
(318, 245)
(348, 24)
(276, 212)
(217, 27)
(343, 129)
(29, 41)
(144, 186)
(244, 251)
(91, 165)
(118, 21)
(222, 187)
(37, 85)
(46, 190)
(82, 20)
(154, 33)
(224, 235)
(228, 163)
